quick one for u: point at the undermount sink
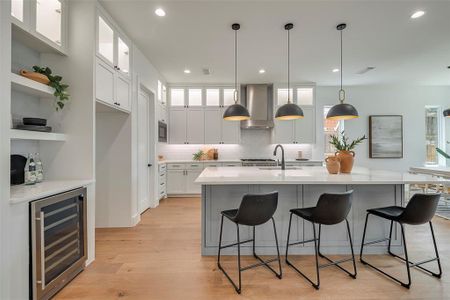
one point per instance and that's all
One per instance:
(279, 168)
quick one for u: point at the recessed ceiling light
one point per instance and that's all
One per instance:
(187, 71)
(160, 12)
(262, 71)
(417, 14)
(335, 70)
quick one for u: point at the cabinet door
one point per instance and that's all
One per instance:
(177, 126)
(231, 131)
(105, 40)
(305, 132)
(49, 20)
(123, 91)
(104, 82)
(176, 182)
(195, 126)
(123, 56)
(213, 123)
(284, 132)
(191, 186)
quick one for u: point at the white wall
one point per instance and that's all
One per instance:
(409, 101)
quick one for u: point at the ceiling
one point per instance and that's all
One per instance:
(197, 34)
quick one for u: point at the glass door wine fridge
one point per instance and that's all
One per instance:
(58, 241)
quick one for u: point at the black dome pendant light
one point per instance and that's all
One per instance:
(447, 113)
(342, 111)
(236, 111)
(288, 111)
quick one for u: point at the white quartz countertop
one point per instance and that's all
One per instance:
(181, 161)
(26, 193)
(309, 175)
(437, 171)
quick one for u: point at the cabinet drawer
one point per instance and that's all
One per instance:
(162, 167)
(231, 164)
(162, 186)
(210, 165)
(176, 166)
(194, 166)
(162, 177)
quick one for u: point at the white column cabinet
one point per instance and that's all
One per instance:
(231, 130)
(113, 80)
(177, 126)
(191, 186)
(213, 126)
(284, 132)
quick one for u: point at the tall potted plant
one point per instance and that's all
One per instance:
(345, 149)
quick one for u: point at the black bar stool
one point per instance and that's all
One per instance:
(331, 209)
(254, 210)
(420, 210)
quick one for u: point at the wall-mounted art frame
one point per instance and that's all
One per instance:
(386, 136)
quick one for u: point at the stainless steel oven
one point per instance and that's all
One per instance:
(58, 241)
(162, 132)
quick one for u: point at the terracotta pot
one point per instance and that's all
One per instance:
(346, 158)
(35, 76)
(333, 164)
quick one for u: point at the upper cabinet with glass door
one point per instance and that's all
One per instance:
(40, 24)
(302, 95)
(112, 46)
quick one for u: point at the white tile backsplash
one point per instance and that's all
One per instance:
(254, 144)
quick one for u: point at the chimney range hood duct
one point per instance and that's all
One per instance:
(258, 99)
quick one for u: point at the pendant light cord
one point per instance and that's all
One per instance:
(288, 68)
(235, 68)
(341, 91)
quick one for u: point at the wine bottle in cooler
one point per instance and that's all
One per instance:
(30, 170)
(39, 168)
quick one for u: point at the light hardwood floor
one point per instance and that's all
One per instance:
(160, 259)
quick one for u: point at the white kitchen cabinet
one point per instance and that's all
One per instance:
(305, 132)
(123, 92)
(112, 88)
(284, 132)
(112, 46)
(44, 21)
(176, 181)
(219, 131)
(191, 186)
(104, 82)
(177, 126)
(195, 126)
(213, 125)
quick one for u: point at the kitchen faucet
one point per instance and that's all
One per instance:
(283, 163)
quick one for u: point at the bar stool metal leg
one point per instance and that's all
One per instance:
(336, 263)
(408, 263)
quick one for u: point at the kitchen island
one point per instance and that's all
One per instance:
(223, 188)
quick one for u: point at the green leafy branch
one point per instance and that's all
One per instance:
(60, 93)
(343, 143)
(198, 155)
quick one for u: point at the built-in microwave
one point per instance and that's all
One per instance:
(162, 132)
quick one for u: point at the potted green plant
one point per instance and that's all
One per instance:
(345, 148)
(60, 93)
(198, 155)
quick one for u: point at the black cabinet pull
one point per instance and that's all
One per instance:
(149, 165)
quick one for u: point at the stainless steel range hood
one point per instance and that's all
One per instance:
(258, 98)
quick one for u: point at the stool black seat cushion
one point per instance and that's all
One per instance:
(305, 213)
(230, 213)
(420, 210)
(331, 209)
(390, 212)
(255, 209)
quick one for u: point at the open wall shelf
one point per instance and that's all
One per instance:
(31, 87)
(17, 134)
